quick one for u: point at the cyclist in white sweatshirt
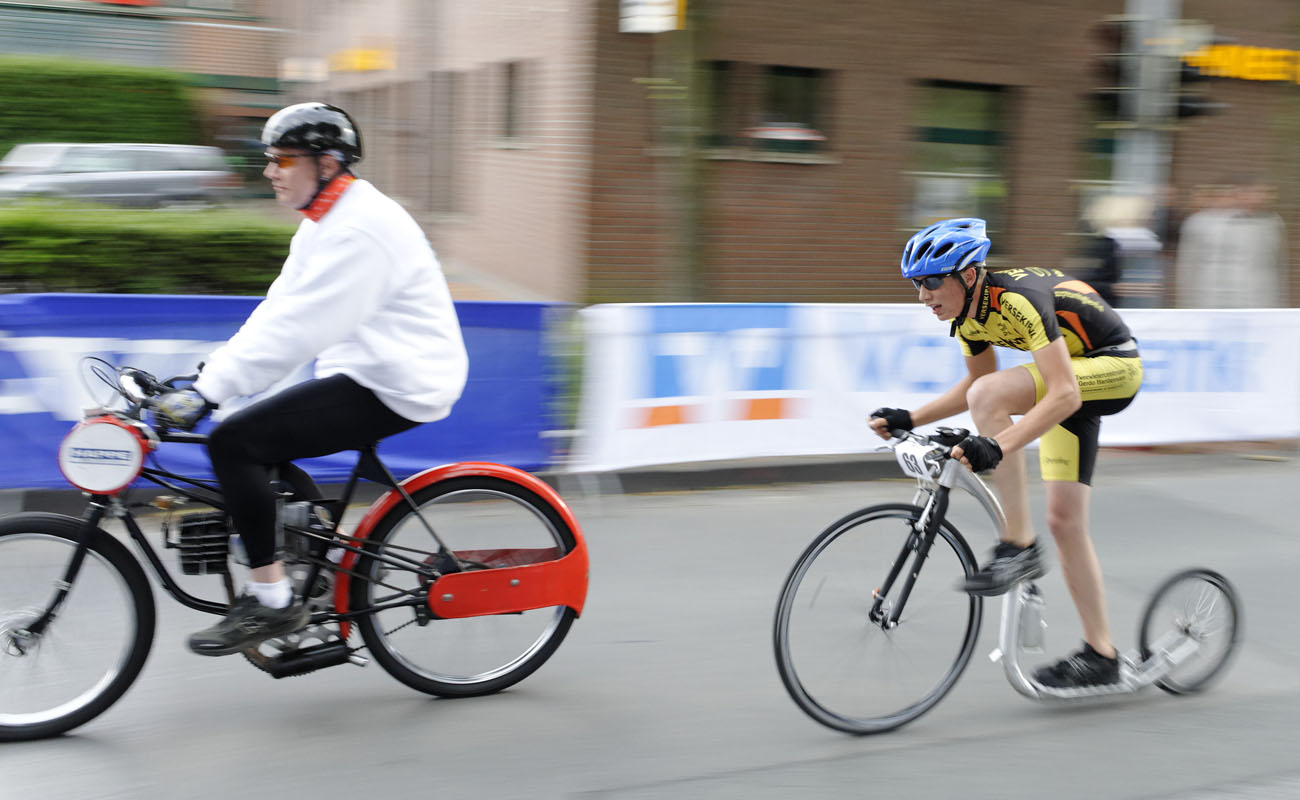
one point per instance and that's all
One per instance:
(363, 295)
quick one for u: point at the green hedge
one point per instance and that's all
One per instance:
(58, 248)
(64, 100)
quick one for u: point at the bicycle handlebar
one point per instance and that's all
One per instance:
(141, 390)
(944, 436)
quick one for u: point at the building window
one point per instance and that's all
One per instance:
(445, 144)
(1097, 154)
(958, 158)
(719, 122)
(512, 100)
(793, 115)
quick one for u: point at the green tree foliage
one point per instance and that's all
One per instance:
(64, 100)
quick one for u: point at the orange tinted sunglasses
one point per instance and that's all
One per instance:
(283, 162)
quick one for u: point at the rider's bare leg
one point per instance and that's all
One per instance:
(1067, 518)
(271, 573)
(993, 399)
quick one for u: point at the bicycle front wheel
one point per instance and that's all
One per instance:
(486, 521)
(91, 651)
(843, 665)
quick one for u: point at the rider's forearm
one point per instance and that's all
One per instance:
(1054, 408)
(945, 405)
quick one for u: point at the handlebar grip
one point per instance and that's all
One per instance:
(170, 383)
(950, 437)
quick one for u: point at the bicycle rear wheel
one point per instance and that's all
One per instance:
(92, 651)
(849, 672)
(1194, 607)
(491, 522)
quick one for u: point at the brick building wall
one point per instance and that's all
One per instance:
(1258, 135)
(586, 199)
(518, 207)
(832, 230)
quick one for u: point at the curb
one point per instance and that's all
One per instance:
(660, 478)
(699, 476)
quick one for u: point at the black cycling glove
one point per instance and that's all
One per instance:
(983, 452)
(895, 418)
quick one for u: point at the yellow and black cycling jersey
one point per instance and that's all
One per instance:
(1027, 308)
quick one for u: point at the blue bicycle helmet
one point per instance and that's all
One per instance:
(945, 247)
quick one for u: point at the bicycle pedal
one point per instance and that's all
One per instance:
(309, 659)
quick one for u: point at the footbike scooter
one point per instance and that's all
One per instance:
(460, 580)
(871, 631)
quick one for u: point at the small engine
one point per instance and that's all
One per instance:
(202, 541)
(306, 516)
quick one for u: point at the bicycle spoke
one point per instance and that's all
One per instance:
(91, 651)
(471, 654)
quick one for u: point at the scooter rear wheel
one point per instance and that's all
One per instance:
(1197, 607)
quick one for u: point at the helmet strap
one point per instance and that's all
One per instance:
(970, 296)
(344, 169)
(321, 183)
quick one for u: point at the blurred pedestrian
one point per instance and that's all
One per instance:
(1096, 260)
(1118, 251)
(1233, 252)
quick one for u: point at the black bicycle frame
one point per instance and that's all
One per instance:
(368, 466)
(918, 543)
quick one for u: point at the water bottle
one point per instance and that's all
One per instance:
(1031, 620)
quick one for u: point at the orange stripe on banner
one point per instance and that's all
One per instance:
(664, 415)
(766, 408)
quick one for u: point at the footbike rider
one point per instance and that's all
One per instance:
(361, 293)
(1085, 366)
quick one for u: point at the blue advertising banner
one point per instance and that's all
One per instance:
(45, 386)
(665, 384)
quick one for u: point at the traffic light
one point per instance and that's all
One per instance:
(1189, 101)
(1113, 70)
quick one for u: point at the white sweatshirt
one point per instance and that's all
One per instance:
(363, 294)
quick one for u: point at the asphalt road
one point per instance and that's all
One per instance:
(666, 688)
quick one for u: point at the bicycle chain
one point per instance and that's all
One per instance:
(314, 633)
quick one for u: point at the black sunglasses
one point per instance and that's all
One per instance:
(931, 282)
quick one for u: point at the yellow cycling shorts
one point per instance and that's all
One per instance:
(1068, 452)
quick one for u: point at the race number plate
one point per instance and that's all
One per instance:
(911, 457)
(102, 455)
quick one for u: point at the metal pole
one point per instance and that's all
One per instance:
(1143, 152)
(680, 99)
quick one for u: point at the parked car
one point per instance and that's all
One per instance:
(142, 175)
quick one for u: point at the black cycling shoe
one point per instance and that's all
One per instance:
(1009, 566)
(1085, 668)
(246, 624)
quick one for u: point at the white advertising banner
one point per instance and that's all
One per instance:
(700, 382)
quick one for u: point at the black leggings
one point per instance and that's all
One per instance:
(310, 419)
